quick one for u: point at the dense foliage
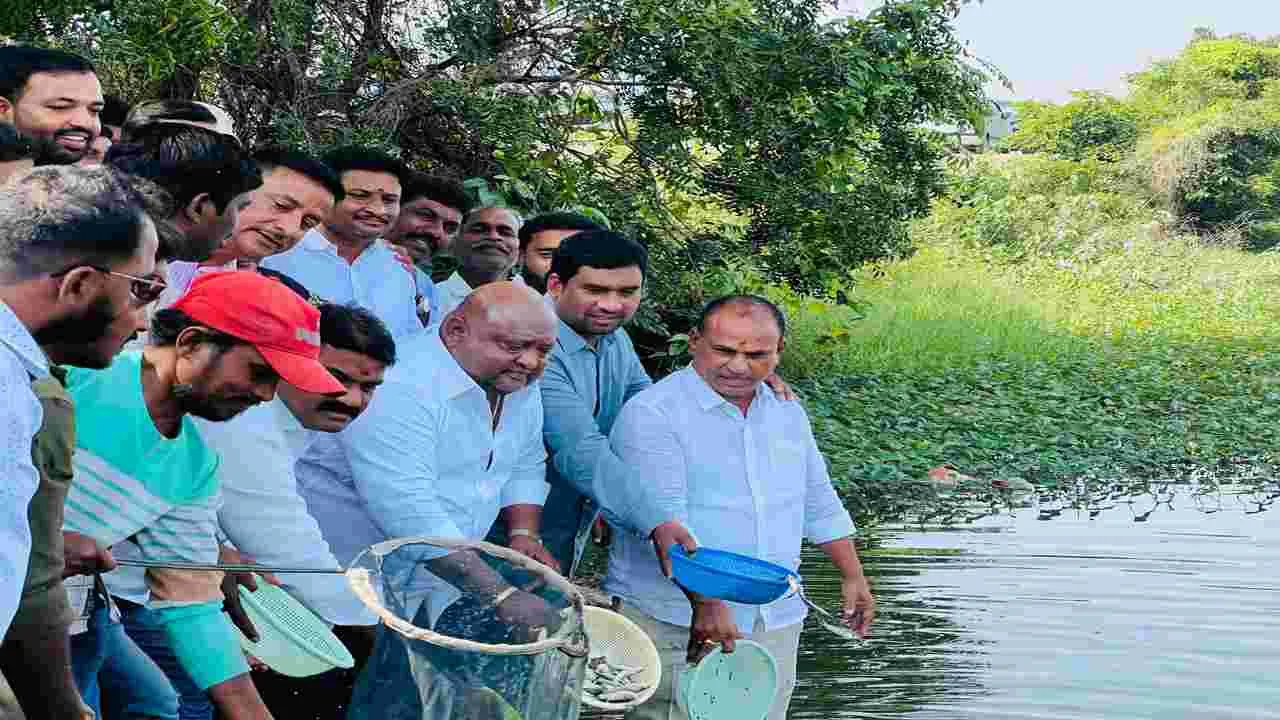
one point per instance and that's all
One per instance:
(804, 129)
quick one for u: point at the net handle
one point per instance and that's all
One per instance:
(569, 639)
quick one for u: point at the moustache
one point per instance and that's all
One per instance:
(335, 407)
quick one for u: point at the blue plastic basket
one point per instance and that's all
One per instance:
(730, 576)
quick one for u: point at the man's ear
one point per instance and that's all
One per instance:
(199, 209)
(782, 344)
(453, 330)
(7, 109)
(79, 287)
(189, 341)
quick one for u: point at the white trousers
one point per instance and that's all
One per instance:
(673, 644)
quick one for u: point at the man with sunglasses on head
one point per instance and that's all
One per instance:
(191, 151)
(77, 262)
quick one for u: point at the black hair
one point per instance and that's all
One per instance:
(269, 158)
(14, 145)
(54, 216)
(346, 158)
(554, 221)
(19, 62)
(449, 193)
(167, 324)
(187, 161)
(598, 249)
(351, 327)
(298, 288)
(114, 112)
(751, 301)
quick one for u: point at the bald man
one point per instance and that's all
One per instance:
(453, 439)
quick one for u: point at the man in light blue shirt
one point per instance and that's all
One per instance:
(346, 261)
(741, 470)
(431, 210)
(594, 283)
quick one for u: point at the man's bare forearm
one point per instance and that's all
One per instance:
(844, 555)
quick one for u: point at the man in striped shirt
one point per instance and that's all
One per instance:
(146, 482)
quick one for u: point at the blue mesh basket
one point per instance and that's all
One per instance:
(730, 576)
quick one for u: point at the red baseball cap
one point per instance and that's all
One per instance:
(269, 316)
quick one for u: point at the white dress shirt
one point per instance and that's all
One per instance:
(376, 280)
(754, 484)
(450, 294)
(21, 361)
(423, 459)
(264, 516)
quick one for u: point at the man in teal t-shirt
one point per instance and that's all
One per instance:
(143, 475)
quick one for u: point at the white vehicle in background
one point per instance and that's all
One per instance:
(1000, 122)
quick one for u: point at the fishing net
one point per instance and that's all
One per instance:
(470, 631)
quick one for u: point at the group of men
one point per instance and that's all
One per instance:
(217, 355)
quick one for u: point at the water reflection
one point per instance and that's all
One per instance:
(1092, 602)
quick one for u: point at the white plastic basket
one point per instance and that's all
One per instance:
(622, 643)
(291, 639)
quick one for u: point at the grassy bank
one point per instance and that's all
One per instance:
(1141, 355)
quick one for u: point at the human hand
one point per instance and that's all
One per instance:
(859, 605)
(528, 610)
(667, 534)
(82, 555)
(712, 624)
(231, 593)
(781, 388)
(531, 548)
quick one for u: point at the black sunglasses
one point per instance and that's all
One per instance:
(143, 290)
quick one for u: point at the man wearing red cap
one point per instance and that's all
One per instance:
(146, 482)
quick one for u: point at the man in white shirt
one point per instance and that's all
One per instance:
(264, 516)
(345, 261)
(75, 244)
(262, 513)
(431, 210)
(452, 441)
(486, 249)
(764, 490)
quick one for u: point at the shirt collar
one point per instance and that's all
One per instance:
(316, 241)
(457, 285)
(15, 336)
(449, 373)
(707, 398)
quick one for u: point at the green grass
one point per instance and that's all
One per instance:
(1153, 361)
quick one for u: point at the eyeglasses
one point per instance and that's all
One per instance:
(143, 290)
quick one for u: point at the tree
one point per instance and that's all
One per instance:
(806, 129)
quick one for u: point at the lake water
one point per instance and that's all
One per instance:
(1173, 613)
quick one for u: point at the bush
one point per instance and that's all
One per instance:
(1091, 125)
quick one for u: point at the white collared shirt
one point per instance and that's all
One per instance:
(754, 484)
(423, 459)
(450, 294)
(264, 516)
(376, 280)
(21, 361)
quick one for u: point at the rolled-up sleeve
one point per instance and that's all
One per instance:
(392, 451)
(528, 483)
(644, 439)
(825, 516)
(583, 456)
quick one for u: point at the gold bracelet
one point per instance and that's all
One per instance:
(502, 596)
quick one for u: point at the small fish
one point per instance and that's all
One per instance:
(619, 696)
